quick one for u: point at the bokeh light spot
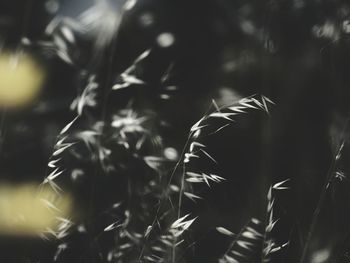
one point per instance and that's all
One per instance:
(21, 79)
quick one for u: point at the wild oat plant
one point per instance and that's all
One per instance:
(146, 220)
(131, 186)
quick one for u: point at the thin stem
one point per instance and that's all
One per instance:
(236, 238)
(173, 252)
(161, 201)
(26, 18)
(181, 190)
(331, 176)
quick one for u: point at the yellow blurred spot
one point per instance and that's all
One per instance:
(21, 79)
(30, 210)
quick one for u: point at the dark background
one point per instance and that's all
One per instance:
(222, 50)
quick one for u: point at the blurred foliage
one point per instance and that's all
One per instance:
(294, 52)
